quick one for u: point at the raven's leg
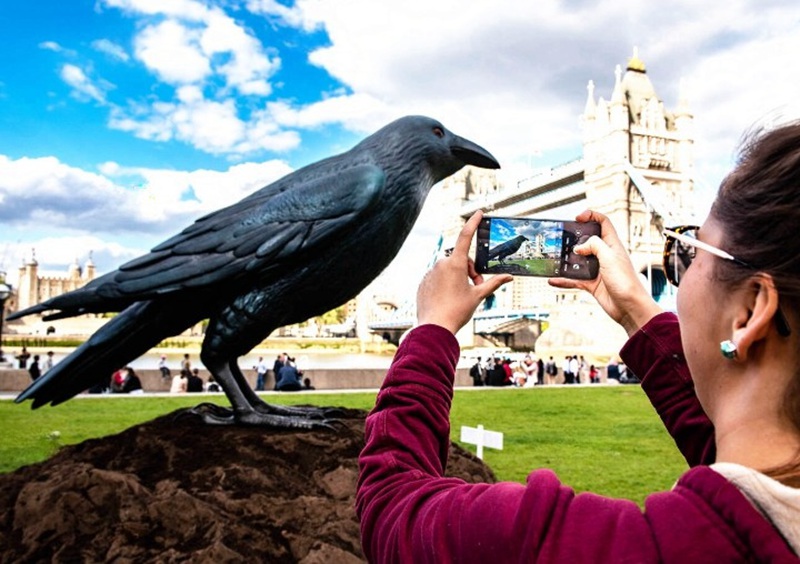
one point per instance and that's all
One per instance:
(249, 409)
(226, 337)
(272, 409)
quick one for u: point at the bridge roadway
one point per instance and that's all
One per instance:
(547, 190)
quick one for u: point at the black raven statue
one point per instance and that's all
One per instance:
(506, 249)
(294, 249)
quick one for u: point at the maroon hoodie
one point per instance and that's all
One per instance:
(410, 513)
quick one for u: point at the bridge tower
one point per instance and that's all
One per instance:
(634, 130)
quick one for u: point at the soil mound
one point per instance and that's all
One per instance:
(174, 490)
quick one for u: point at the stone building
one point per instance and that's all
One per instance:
(33, 288)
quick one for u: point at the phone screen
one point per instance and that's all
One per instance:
(534, 247)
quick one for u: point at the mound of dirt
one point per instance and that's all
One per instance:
(174, 490)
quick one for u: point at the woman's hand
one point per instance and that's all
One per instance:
(618, 287)
(451, 291)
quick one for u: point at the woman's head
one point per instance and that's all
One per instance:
(757, 215)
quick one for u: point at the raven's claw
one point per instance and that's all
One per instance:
(276, 417)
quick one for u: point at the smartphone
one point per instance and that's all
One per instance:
(526, 246)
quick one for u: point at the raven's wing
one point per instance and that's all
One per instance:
(238, 241)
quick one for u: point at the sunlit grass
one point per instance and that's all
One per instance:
(602, 439)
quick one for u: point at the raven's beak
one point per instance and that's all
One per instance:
(472, 154)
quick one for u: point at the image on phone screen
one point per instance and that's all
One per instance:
(534, 247)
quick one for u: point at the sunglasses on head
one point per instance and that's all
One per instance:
(680, 248)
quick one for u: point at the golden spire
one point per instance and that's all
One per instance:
(635, 63)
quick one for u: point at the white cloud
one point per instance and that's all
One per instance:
(360, 112)
(83, 87)
(110, 48)
(209, 125)
(121, 199)
(46, 192)
(294, 16)
(248, 67)
(165, 194)
(183, 48)
(118, 214)
(185, 9)
(172, 51)
(51, 46)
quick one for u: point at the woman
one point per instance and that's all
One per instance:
(180, 382)
(722, 375)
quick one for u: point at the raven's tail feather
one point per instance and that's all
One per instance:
(123, 339)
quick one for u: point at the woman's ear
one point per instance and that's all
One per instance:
(761, 306)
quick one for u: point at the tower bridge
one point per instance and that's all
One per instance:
(636, 168)
(554, 188)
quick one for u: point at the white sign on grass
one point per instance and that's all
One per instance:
(478, 436)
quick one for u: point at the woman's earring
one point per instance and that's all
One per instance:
(728, 349)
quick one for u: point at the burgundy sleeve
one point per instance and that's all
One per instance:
(655, 355)
(409, 512)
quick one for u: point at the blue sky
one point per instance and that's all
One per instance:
(503, 230)
(123, 120)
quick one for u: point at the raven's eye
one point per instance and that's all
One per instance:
(438, 132)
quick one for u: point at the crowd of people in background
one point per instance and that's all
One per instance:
(188, 379)
(530, 371)
(497, 370)
(286, 375)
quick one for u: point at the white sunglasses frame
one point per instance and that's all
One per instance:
(692, 242)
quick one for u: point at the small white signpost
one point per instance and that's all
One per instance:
(477, 436)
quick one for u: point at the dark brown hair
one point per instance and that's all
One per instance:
(758, 209)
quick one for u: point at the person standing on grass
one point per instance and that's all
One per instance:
(477, 373)
(568, 378)
(22, 358)
(34, 369)
(722, 374)
(574, 369)
(551, 369)
(261, 369)
(539, 372)
(48, 362)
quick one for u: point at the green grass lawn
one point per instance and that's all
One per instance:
(605, 439)
(536, 267)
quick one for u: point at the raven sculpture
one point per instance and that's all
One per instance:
(506, 249)
(294, 249)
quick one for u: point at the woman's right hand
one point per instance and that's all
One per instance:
(451, 291)
(618, 287)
